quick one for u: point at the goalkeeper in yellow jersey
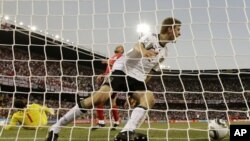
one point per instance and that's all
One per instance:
(30, 116)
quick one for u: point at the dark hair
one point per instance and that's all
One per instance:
(119, 46)
(169, 23)
(19, 104)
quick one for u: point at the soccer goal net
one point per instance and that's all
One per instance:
(53, 51)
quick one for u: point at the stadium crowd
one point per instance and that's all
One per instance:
(178, 97)
(52, 75)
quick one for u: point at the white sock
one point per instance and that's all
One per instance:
(136, 116)
(70, 116)
(116, 122)
(101, 122)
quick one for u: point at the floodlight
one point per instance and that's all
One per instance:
(143, 28)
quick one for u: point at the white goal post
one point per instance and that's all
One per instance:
(52, 51)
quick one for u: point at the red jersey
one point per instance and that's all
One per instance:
(111, 61)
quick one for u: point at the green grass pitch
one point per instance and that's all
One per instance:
(156, 132)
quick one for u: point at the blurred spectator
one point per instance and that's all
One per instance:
(178, 96)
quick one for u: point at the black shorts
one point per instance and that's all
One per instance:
(120, 82)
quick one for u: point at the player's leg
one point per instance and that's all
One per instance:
(100, 111)
(67, 118)
(146, 100)
(100, 116)
(115, 111)
(117, 82)
(130, 102)
(99, 97)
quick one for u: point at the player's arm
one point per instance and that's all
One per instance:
(48, 110)
(139, 47)
(13, 122)
(100, 78)
(153, 71)
(104, 61)
(148, 78)
(43, 108)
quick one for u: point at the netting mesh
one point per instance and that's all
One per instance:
(52, 51)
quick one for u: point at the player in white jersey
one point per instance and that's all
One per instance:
(136, 65)
(129, 74)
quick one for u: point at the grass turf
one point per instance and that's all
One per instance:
(156, 132)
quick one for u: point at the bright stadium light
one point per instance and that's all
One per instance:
(57, 36)
(143, 28)
(163, 66)
(33, 28)
(6, 18)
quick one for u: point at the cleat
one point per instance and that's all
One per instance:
(51, 136)
(125, 136)
(140, 137)
(114, 127)
(98, 126)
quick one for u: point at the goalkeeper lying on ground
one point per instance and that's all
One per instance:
(29, 117)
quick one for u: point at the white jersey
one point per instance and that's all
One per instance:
(136, 66)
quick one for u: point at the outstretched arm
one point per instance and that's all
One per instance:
(12, 123)
(48, 110)
(104, 61)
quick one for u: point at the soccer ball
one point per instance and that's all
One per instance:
(218, 129)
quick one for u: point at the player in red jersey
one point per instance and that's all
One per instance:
(100, 112)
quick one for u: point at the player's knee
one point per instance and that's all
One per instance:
(113, 102)
(149, 103)
(150, 99)
(146, 99)
(104, 88)
(101, 99)
(152, 102)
